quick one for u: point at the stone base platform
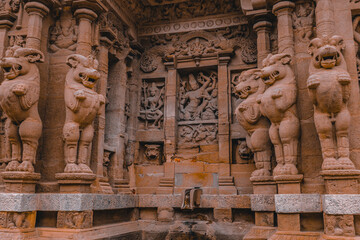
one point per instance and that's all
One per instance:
(75, 182)
(285, 235)
(20, 182)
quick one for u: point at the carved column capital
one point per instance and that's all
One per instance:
(106, 42)
(85, 13)
(224, 57)
(283, 7)
(36, 8)
(262, 26)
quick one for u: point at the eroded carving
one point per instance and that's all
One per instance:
(10, 5)
(278, 104)
(198, 134)
(17, 220)
(329, 89)
(152, 104)
(19, 96)
(82, 106)
(356, 31)
(74, 220)
(249, 88)
(339, 225)
(64, 34)
(303, 18)
(153, 153)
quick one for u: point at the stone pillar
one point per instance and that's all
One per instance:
(226, 181)
(283, 11)
(6, 23)
(325, 18)
(262, 29)
(102, 182)
(166, 185)
(86, 17)
(37, 11)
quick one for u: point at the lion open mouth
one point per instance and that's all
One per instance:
(88, 81)
(269, 79)
(328, 60)
(11, 71)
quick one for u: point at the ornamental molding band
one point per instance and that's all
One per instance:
(180, 119)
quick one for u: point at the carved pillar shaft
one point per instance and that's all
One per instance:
(86, 17)
(283, 11)
(262, 29)
(37, 11)
(324, 18)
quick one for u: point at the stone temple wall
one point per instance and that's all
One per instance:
(178, 119)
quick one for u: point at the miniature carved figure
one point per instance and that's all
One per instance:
(152, 105)
(19, 96)
(65, 32)
(329, 89)
(245, 152)
(197, 99)
(152, 152)
(248, 113)
(303, 20)
(198, 134)
(278, 104)
(106, 162)
(82, 106)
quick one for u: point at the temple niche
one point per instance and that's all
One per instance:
(180, 119)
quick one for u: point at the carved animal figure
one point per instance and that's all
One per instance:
(248, 114)
(278, 104)
(329, 89)
(152, 152)
(19, 96)
(82, 106)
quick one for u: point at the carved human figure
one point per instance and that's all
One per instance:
(329, 89)
(194, 101)
(82, 106)
(152, 104)
(64, 34)
(278, 104)
(19, 96)
(249, 87)
(303, 20)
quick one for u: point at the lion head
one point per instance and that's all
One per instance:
(152, 152)
(84, 69)
(326, 53)
(249, 82)
(20, 61)
(275, 68)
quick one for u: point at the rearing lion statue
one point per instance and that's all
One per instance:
(248, 114)
(329, 89)
(19, 96)
(82, 106)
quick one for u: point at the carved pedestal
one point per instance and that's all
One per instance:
(227, 186)
(20, 182)
(288, 184)
(75, 182)
(340, 182)
(264, 189)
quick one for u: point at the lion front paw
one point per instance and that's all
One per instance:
(260, 172)
(71, 168)
(276, 94)
(101, 99)
(19, 89)
(313, 82)
(12, 166)
(26, 166)
(84, 168)
(344, 79)
(242, 107)
(80, 95)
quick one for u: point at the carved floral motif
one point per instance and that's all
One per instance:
(329, 89)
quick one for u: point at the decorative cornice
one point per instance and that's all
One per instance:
(193, 25)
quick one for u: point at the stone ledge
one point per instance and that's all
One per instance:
(18, 202)
(341, 203)
(298, 203)
(262, 202)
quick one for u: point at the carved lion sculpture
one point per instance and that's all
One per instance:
(82, 106)
(278, 104)
(19, 96)
(152, 152)
(329, 89)
(250, 118)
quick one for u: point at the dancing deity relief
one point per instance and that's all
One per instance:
(329, 89)
(152, 105)
(200, 101)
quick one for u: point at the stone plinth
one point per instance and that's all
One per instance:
(75, 182)
(20, 182)
(263, 185)
(341, 181)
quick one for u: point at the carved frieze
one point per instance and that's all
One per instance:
(198, 134)
(17, 220)
(339, 225)
(151, 112)
(74, 220)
